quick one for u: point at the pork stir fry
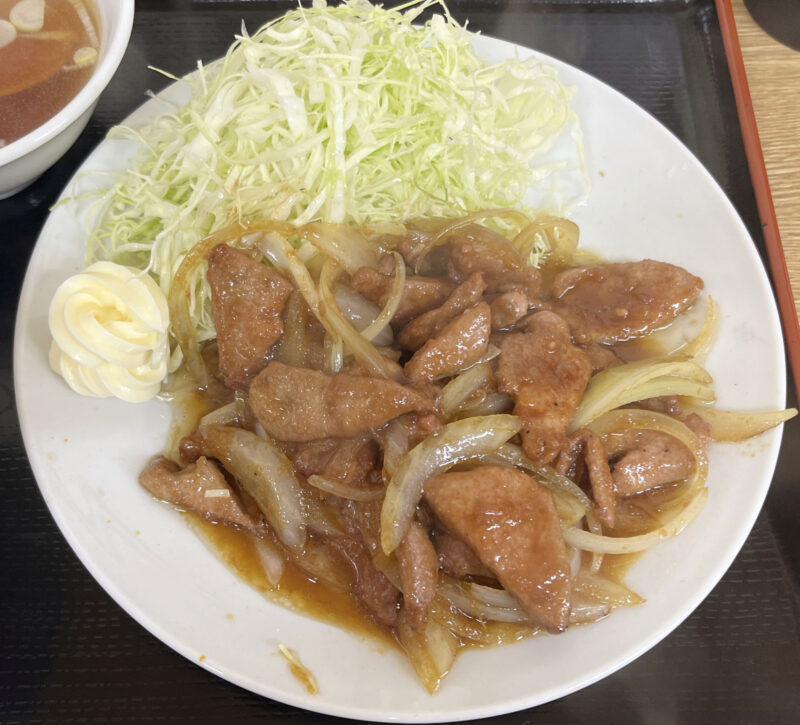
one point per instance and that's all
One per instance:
(433, 469)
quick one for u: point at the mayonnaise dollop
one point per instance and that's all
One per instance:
(109, 326)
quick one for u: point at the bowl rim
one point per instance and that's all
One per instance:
(117, 44)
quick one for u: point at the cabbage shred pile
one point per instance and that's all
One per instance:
(349, 114)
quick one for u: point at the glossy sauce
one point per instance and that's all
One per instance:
(38, 75)
(296, 590)
(638, 515)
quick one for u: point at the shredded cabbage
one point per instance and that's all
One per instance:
(349, 114)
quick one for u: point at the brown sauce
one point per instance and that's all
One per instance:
(637, 515)
(299, 671)
(296, 590)
(38, 75)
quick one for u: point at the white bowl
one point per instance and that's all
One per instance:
(24, 160)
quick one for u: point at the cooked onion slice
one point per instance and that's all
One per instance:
(272, 560)
(600, 589)
(588, 541)
(475, 629)
(395, 446)
(361, 314)
(233, 413)
(440, 236)
(294, 347)
(284, 257)
(699, 347)
(336, 324)
(321, 520)
(582, 611)
(265, 473)
(431, 652)
(347, 245)
(319, 560)
(490, 404)
(482, 602)
(634, 381)
(333, 354)
(733, 426)
(457, 441)
(497, 605)
(554, 237)
(462, 387)
(381, 322)
(343, 490)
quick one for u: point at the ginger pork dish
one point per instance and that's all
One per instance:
(448, 436)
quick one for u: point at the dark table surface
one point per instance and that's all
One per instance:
(69, 653)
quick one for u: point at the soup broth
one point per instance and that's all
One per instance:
(43, 68)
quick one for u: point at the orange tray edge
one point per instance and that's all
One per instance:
(761, 188)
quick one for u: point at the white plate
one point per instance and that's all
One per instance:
(653, 198)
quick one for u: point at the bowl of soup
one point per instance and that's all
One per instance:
(56, 57)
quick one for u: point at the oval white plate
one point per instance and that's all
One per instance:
(652, 199)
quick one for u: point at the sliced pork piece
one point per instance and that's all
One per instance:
(420, 294)
(420, 426)
(419, 574)
(311, 457)
(648, 459)
(511, 523)
(456, 558)
(509, 308)
(461, 343)
(413, 429)
(614, 302)
(352, 460)
(421, 329)
(247, 299)
(415, 241)
(367, 516)
(349, 460)
(654, 459)
(498, 261)
(546, 375)
(378, 595)
(601, 357)
(700, 427)
(297, 404)
(201, 488)
(585, 444)
(372, 588)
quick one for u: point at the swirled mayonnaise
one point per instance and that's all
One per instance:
(109, 325)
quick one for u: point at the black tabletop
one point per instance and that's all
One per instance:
(69, 653)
